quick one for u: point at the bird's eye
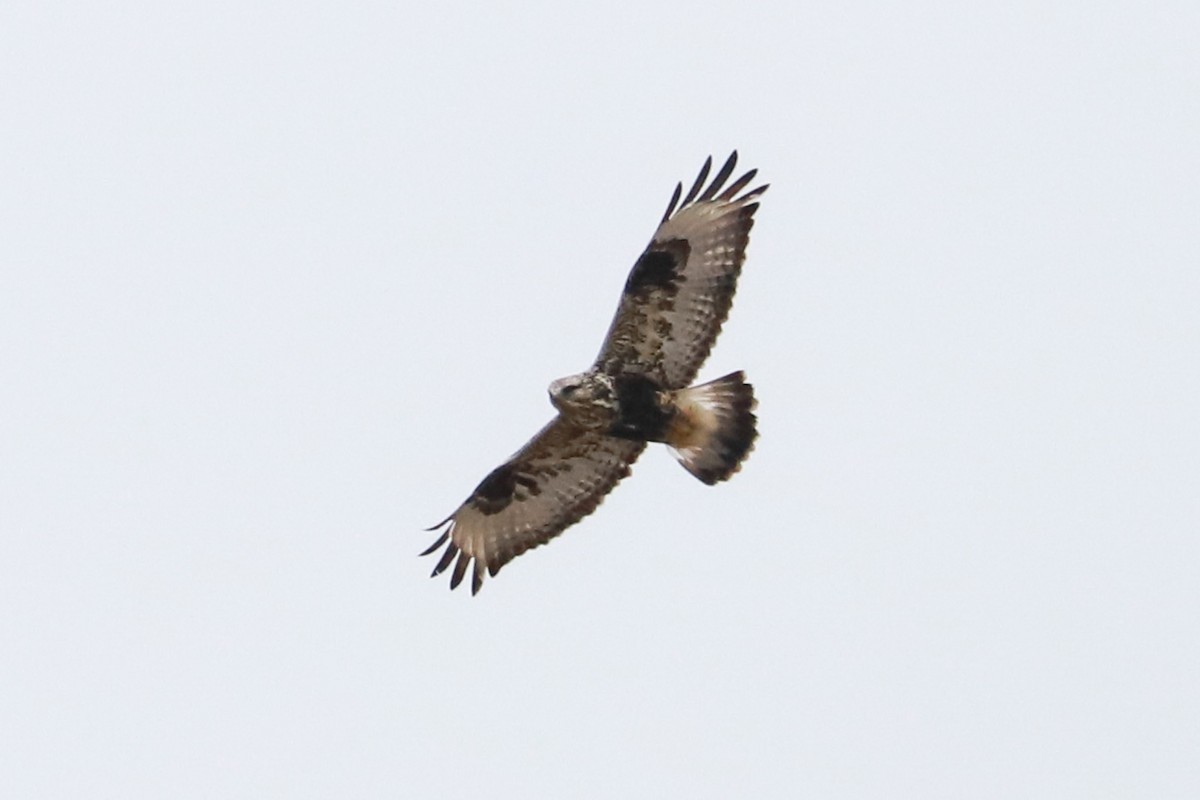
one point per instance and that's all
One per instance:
(569, 389)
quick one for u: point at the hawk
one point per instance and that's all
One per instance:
(639, 390)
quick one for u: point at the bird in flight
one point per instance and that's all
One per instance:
(639, 390)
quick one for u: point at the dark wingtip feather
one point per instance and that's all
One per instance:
(441, 541)
(460, 569)
(722, 176)
(703, 176)
(738, 185)
(674, 200)
(445, 560)
(757, 191)
(440, 524)
(477, 578)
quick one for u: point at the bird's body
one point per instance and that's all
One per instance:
(638, 390)
(629, 406)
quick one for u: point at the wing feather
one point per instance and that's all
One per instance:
(738, 185)
(441, 540)
(446, 559)
(671, 205)
(680, 290)
(560, 476)
(691, 195)
(719, 181)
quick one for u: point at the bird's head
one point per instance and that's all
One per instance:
(580, 393)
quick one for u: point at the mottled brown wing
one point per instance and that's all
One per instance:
(680, 290)
(552, 482)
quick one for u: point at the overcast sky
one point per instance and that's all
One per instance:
(281, 282)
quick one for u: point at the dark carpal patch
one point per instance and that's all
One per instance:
(495, 492)
(639, 415)
(658, 267)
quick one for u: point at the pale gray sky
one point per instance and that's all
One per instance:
(282, 281)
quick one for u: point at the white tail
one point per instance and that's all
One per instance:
(714, 427)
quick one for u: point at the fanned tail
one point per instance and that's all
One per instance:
(714, 427)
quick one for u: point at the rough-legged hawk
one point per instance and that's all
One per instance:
(638, 391)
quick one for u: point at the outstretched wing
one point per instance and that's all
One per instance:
(552, 482)
(680, 290)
